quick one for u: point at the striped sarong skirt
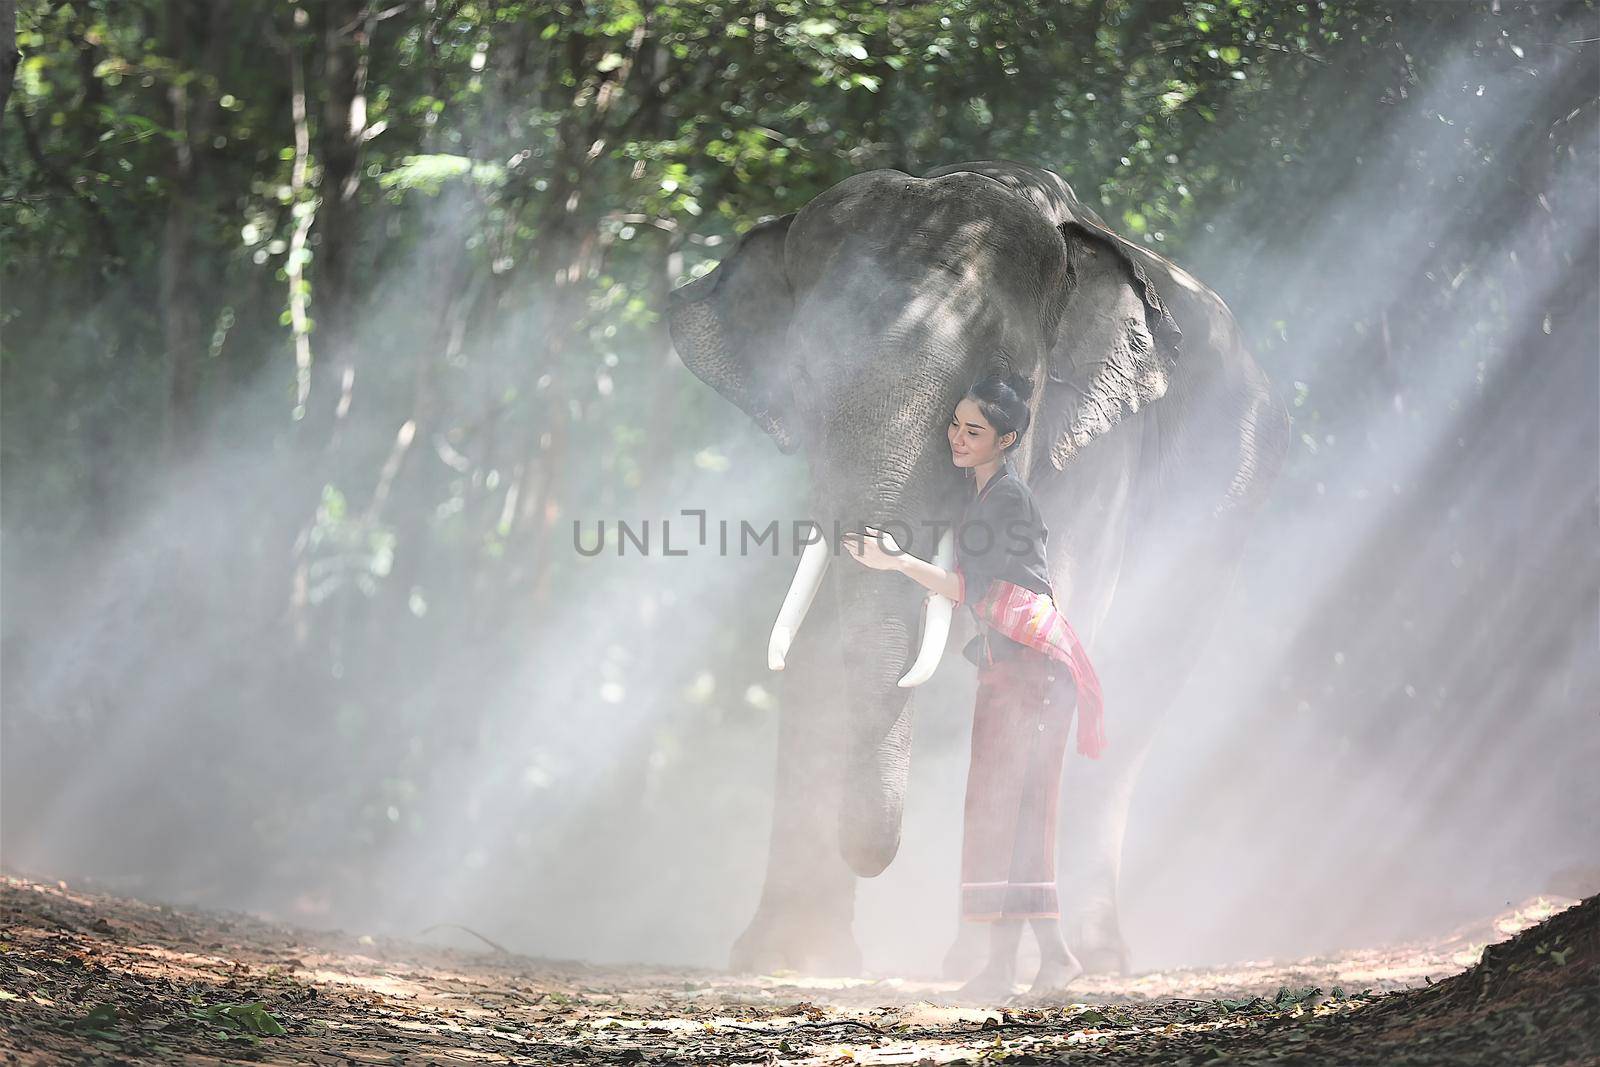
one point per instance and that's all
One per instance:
(1019, 742)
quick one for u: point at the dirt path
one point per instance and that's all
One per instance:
(88, 977)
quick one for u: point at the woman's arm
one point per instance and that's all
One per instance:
(932, 576)
(879, 551)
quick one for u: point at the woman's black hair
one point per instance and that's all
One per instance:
(1003, 399)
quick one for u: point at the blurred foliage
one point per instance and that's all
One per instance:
(466, 214)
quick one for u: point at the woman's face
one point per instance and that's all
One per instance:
(973, 441)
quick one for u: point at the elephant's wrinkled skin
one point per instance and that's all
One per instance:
(848, 331)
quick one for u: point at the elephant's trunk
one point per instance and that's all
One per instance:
(879, 615)
(892, 471)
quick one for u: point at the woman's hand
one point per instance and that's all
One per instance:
(876, 549)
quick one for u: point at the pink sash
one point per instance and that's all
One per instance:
(1032, 619)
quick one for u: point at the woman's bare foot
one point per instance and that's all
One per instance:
(996, 981)
(1055, 974)
(990, 985)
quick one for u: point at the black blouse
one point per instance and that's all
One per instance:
(1001, 535)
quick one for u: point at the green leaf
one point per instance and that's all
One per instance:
(103, 1018)
(245, 1018)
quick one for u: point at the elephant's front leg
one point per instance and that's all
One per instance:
(1094, 819)
(1157, 630)
(807, 908)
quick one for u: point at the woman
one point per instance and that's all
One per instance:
(1032, 670)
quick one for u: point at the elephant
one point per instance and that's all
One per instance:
(848, 330)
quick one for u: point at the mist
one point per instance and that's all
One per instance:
(373, 684)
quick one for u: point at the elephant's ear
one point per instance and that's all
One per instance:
(730, 328)
(1115, 347)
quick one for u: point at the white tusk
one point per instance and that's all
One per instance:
(936, 614)
(807, 580)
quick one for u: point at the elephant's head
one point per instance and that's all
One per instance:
(849, 331)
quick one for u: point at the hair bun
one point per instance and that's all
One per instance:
(1002, 397)
(1020, 385)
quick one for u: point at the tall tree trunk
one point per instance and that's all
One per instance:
(196, 32)
(346, 29)
(326, 360)
(9, 57)
(662, 376)
(567, 252)
(409, 506)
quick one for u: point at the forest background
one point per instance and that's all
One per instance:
(323, 323)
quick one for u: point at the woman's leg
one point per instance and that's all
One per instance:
(993, 797)
(1008, 840)
(1057, 965)
(999, 975)
(1036, 843)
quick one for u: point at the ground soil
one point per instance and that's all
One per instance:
(89, 977)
